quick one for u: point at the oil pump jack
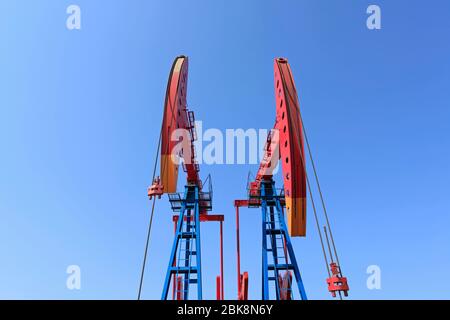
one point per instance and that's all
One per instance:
(283, 210)
(285, 145)
(191, 207)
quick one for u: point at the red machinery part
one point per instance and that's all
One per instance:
(286, 142)
(337, 283)
(237, 204)
(291, 146)
(218, 289)
(222, 289)
(285, 286)
(156, 189)
(243, 289)
(177, 116)
(179, 288)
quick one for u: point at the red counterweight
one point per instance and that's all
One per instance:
(156, 189)
(337, 283)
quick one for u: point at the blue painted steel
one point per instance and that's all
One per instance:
(274, 228)
(197, 244)
(186, 245)
(265, 268)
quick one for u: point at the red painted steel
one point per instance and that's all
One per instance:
(222, 289)
(179, 288)
(285, 286)
(291, 147)
(238, 250)
(337, 283)
(286, 142)
(156, 189)
(243, 289)
(177, 116)
(205, 218)
(249, 203)
(218, 289)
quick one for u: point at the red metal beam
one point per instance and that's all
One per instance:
(221, 261)
(179, 288)
(246, 203)
(238, 250)
(241, 203)
(205, 218)
(218, 297)
(243, 295)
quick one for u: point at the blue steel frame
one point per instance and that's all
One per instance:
(271, 227)
(184, 233)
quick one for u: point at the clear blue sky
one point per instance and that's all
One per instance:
(80, 113)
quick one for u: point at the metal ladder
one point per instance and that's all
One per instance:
(277, 254)
(185, 257)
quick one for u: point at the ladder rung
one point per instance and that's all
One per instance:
(274, 231)
(183, 270)
(187, 235)
(280, 266)
(183, 259)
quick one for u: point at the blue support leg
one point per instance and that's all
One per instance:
(174, 248)
(271, 227)
(188, 233)
(265, 266)
(197, 245)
